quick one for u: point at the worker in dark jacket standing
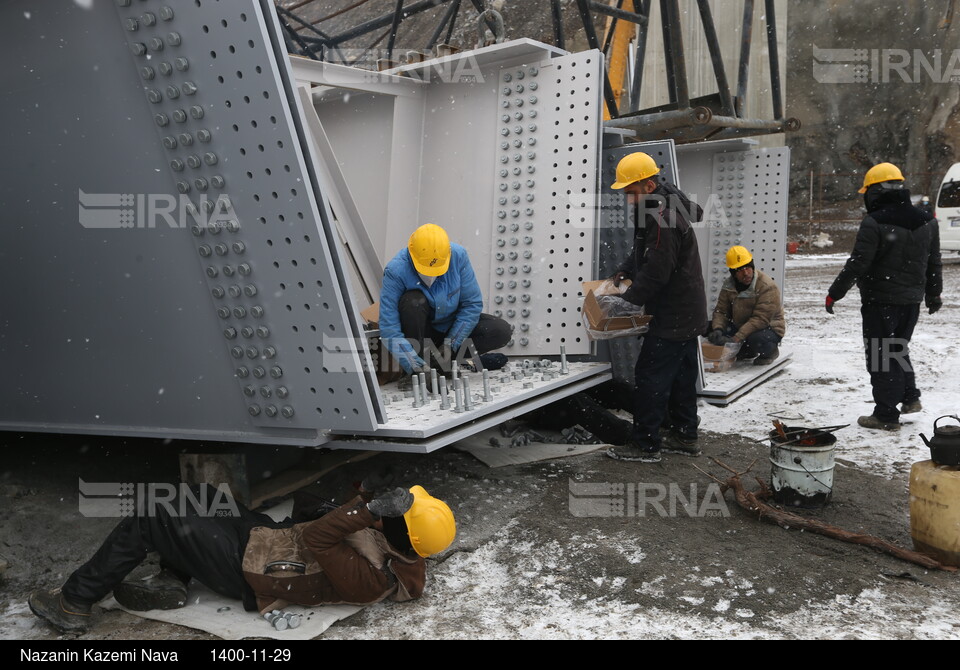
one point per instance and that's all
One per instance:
(667, 279)
(896, 264)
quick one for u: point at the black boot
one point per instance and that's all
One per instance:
(163, 591)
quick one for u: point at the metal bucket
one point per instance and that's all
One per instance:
(801, 467)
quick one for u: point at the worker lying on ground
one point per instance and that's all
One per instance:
(749, 310)
(363, 552)
(430, 295)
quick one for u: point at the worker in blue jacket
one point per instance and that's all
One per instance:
(430, 294)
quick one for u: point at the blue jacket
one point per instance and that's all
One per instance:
(454, 296)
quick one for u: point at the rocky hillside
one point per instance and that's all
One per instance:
(847, 127)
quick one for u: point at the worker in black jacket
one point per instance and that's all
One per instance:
(896, 264)
(667, 279)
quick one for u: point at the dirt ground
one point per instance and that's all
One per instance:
(530, 560)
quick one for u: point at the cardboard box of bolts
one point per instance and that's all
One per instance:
(718, 358)
(604, 327)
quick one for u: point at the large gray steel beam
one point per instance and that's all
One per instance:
(197, 292)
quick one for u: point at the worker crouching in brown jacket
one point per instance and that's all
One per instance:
(359, 553)
(749, 311)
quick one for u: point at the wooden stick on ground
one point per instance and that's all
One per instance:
(753, 503)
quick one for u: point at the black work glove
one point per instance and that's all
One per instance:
(933, 303)
(716, 337)
(828, 304)
(395, 503)
(377, 481)
(619, 277)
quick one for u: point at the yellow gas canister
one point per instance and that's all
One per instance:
(935, 511)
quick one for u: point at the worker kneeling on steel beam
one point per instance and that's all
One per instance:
(430, 297)
(368, 550)
(749, 310)
(664, 266)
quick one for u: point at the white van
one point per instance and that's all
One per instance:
(948, 210)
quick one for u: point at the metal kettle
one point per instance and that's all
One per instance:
(945, 443)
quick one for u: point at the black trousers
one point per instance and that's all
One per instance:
(666, 388)
(490, 333)
(759, 343)
(193, 542)
(887, 330)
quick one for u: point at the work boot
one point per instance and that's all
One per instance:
(163, 591)
(676, 443)
(493, 362)
(911, 407)
(632, 451)
(767, 359)
(60, 613)
(876, 423)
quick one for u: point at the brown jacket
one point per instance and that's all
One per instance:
(753, 309)
(344, 561)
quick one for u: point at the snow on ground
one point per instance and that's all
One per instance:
(827, 383)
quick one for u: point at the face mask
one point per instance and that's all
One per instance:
(428, 281)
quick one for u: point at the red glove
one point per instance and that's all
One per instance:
(829, 304)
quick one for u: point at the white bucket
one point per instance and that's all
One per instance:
(801, 475)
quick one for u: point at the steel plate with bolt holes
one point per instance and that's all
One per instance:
(545, 212)
(149, 313)
(616, 239)
(747, 206)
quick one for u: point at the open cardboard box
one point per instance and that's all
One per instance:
(371, 314)
(595, 319)
(718, 358)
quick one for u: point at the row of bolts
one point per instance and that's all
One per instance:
(463, 399)
(282, 620)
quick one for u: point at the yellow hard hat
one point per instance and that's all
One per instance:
(738, 256)
(881, 173)
(429, 249)
(633, 168)
(430, 523)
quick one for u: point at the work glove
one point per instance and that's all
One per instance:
(619, 277)
(416, 365)
(829, 305)
(717, 338)
(378, 480)
(395, 503)
(933, 303)
(614, 305)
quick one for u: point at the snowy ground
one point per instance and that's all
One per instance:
(656, 584)
(827, 382)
